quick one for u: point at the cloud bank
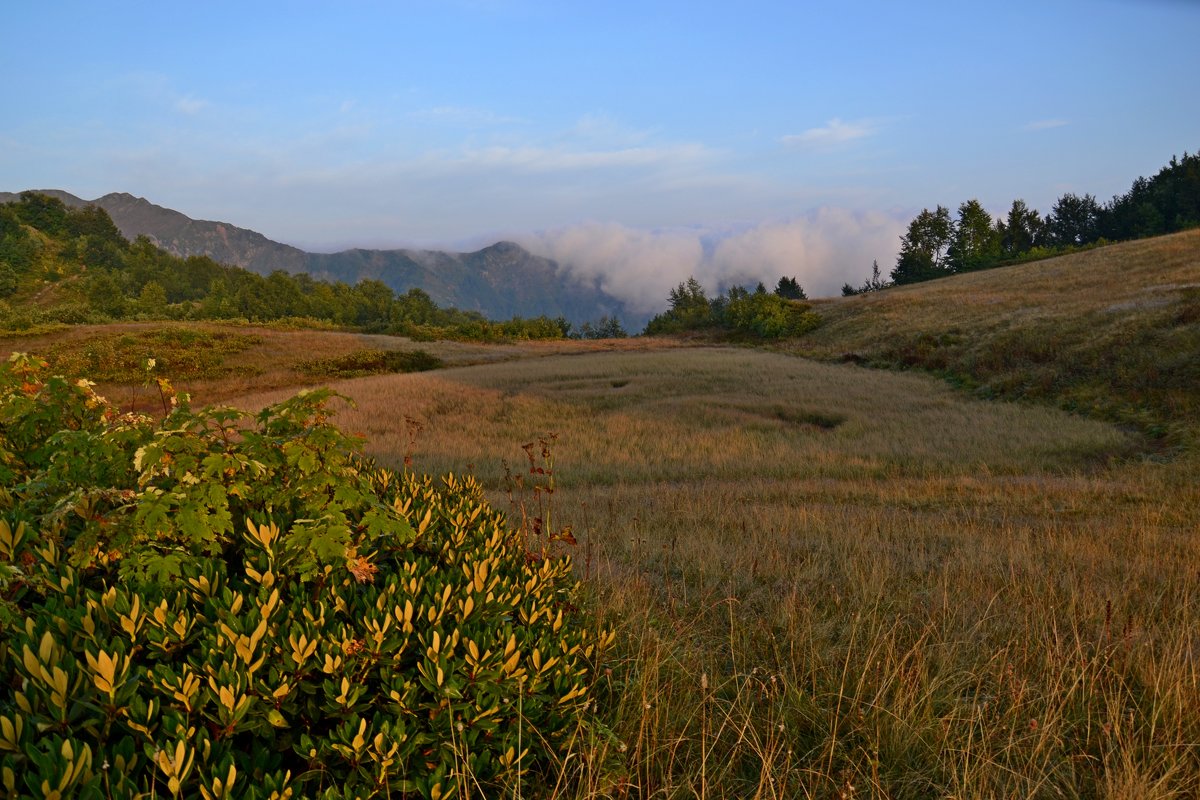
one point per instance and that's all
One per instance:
(823, 250)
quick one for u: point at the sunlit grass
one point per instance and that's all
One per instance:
(713, 413)
(925, 595)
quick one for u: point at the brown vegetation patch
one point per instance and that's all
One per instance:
(266, 356)
(368, 362)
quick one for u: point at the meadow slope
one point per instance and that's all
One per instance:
(1112, 332)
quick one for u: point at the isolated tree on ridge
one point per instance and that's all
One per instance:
(975, 241)
(790, 289)
(923, 248)
(1021, 231)
(1074, 220)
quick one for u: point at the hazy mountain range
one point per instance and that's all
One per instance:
(500, 281)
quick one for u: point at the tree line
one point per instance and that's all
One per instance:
(937, 244)
(62, 264)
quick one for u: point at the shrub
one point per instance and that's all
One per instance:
(370, 362)
(213, 606)
(604, 328)
(759, 314)
(535, 328)
(180, 350)
(769, 316)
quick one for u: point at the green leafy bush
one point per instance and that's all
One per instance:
(219, 606)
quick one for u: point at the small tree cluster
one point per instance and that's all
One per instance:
(604, 328)
(937, 244)
(758, 313)
(871, 284)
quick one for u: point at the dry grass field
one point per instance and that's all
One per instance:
(830, 581)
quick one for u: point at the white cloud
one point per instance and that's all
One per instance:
(823, 250)
(602, 130)
(1044, 124)
(834, 132)
(158, 91)
(637, 266)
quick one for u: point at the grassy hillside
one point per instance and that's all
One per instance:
(1112, 332)
(714, 414)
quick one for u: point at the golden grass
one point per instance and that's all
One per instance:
(712, 413)
(933, 597)
(1148, 273)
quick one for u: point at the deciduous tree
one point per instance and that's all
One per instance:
(1021, 231)
(1074, 220)
(923, 248)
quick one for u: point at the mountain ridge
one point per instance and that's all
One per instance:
(500, 281)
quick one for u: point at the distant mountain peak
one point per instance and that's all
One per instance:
(501, 280)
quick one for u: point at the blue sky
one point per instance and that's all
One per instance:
(639, 142)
